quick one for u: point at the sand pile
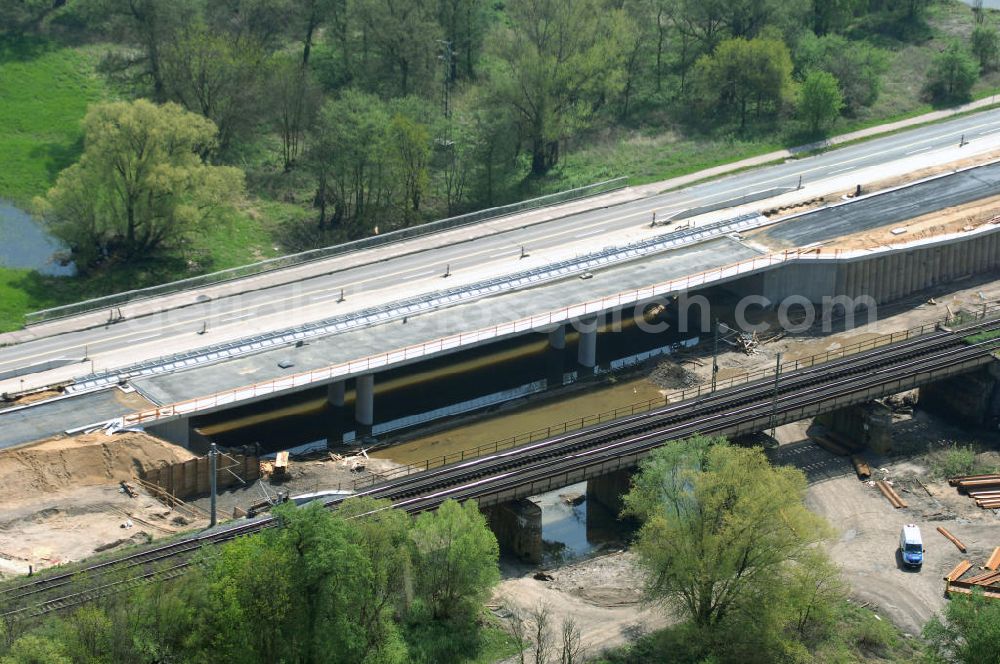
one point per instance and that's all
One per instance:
(84, 460)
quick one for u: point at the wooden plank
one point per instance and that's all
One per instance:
(954, 540)
(956, 573)
(985, 579)
(991, 594)
(994, 560)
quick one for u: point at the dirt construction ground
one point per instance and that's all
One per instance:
(867, 527)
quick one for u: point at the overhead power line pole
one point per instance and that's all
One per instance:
(447, 58)
(213, 464)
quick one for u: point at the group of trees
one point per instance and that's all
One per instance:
(381, 113)
(365, 584)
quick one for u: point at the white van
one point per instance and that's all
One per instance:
(911, 546)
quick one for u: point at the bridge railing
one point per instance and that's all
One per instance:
(576, 424)
(118, 299)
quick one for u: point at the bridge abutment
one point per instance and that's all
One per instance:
(969, 399)
(518, 528)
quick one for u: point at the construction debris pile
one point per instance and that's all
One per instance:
(671, 376)
(984, 489)
(988, 580)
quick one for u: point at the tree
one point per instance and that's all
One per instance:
(820, 100)
(554, 64)
(833, 15)
(148, 24)
(457, 557)
(400, 45)
(409, 144)
(970, 632)
(952, 74)
(742, 72)
(857, 66)
(36, 649)
(347, 158)
(142, 183)
(17, 16)
(293, 101)
(985, 45)
(720, 526)
(216, 74)
(464, 24)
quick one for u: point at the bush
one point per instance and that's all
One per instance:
(985, 45)
(956, 460)
(952, 75)
(820, 101)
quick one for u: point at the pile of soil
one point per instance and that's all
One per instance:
(85, 460)
(671, 376)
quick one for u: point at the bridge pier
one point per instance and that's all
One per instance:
(557, 338)
(608, 491)
(518, 528)
(336, 398)
(335, 393)
(868, 425)
(972, 398)
(364, 403)
(586, 353)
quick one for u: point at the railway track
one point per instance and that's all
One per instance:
(561, 455)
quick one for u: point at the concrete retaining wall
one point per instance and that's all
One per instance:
(887, 275)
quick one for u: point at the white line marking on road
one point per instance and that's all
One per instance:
(236, 318)
(929, 147)
(841, 170)
(589, 233)
(502, 254)
(148, 336)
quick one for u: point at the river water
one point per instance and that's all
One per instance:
(25, 244)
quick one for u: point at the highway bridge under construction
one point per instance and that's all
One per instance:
(891, 365)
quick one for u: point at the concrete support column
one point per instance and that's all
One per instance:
(364, 401)
(865, 425)
(518, 528)
(971, 399)
(335, 393)
(587, 349)
(557, 338)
